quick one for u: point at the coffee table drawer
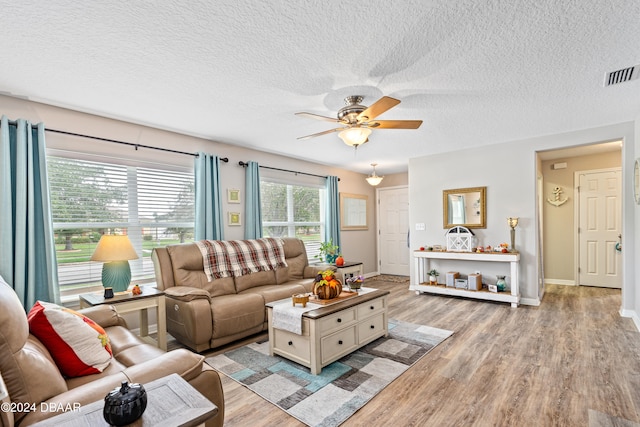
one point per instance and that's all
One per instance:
(368, 308)
(293, 344)
(371, 327)
(337, 321)
(338, 344)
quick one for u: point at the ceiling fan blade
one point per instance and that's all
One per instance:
(320, 133)
(395, 124)
(318, 117)
(380, 106)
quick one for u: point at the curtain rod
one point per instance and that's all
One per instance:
(243, 164)
(131, 144)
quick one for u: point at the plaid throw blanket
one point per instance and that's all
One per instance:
(233, 258)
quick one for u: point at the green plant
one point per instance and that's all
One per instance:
(433, 272)
(327, 248)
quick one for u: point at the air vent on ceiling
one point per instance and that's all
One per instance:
(621, 76)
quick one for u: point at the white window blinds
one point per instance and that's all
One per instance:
(154, 206)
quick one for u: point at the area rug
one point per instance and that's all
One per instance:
(390, 278)
(343, 387)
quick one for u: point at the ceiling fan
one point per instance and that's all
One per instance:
(358, 120)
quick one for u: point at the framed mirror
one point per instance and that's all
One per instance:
(353, 211)
(465, 206)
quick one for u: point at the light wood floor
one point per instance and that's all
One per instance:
(573, 361)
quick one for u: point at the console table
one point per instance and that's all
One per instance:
(422, 265)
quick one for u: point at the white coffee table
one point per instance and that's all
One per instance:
(332, 331)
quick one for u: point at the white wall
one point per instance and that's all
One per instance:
(356, 245)
(508, 170)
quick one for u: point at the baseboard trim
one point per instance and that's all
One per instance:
(633, 315)
(560, 282)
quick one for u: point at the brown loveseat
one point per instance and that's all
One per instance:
(31, 376)
(203, 314)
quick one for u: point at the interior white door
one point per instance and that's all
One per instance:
(393, 230)
(599, 229)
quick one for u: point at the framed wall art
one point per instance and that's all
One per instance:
(235, 218)
(233, 196)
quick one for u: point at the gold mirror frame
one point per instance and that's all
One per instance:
(353, 211)
(477, 205)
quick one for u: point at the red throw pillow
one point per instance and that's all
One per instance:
(78, 345)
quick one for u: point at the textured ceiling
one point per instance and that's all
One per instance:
(233, 71)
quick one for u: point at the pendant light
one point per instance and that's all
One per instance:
(374, 179)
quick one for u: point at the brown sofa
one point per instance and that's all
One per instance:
(203, 314)
(32, 377)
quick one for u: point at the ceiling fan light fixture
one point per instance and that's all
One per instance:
(355, 136)
(374, 179)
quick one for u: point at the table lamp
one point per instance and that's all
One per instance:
(115, 251)
(513, 223)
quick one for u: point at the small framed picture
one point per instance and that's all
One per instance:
(233, 196)
(234, 218)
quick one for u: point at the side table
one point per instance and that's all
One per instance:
(171, 401)
(346, 270)
(350, 269)
(125, 303)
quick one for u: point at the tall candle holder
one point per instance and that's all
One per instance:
(513, 223)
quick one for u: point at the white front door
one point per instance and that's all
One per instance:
(599, 229)
(393, 230)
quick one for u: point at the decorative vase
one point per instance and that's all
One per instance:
(125, 404)
(433, 280)
(331, 259)
(354, 284)
(501, 283)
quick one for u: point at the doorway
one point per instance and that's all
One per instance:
(393, 230)
(559, 173)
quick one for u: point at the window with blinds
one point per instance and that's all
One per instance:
(290, 210)
(154, 207)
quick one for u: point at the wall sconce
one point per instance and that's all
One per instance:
(115, 251)
(355, 136)
(374, 179)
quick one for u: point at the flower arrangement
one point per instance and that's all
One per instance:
(355, 282)
(326, 286)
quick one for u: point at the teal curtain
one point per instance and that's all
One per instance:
(253, 211)
(27, 247)
(332, 215)
(208, 215)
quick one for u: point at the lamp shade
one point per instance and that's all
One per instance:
(374, 179)
(355, 136)
(114, 248)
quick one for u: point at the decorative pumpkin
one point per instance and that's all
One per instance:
(340, 261)
(326, 286)
(125, 404)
